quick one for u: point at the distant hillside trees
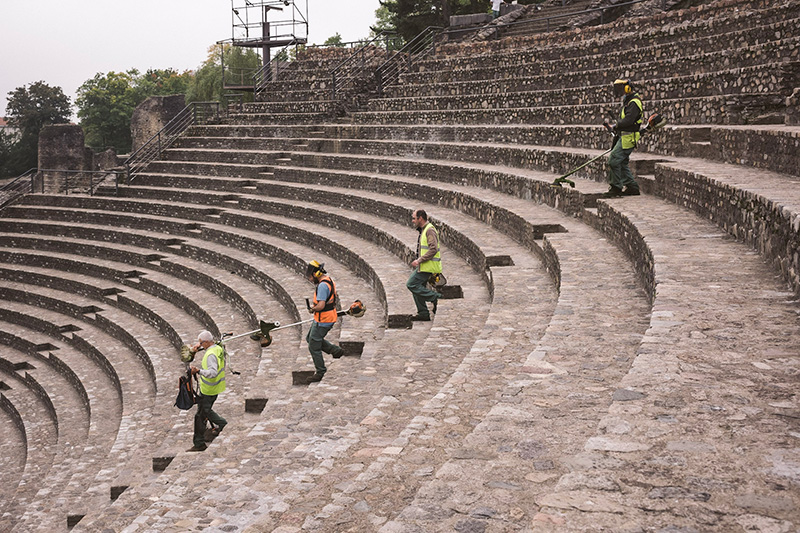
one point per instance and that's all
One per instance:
(29, 109)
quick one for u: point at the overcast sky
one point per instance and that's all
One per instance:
(65, 43)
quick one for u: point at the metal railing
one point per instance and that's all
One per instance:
(194, 113)
(74, 181)
(421, 46)
(359, 65)
(17, 187)
(272, 70)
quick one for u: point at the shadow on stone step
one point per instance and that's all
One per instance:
(117, 490)
(300, 377)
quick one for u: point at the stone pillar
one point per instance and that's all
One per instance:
(152, 115)
(61, 147)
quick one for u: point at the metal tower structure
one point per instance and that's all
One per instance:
(268, 24)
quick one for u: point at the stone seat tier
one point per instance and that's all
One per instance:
(212, 296)
(650, 78)
(140, 439)
(83, 436)
(347, 246)
(295, 91)
(39, 435)
(748, 81)
(653, 37)
(310, 117)
(15, 446)
(745, 48)
(291, 107)
(242, 250)
(718, 110)
(727, 144)
(400, 154)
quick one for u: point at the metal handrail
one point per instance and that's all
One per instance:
(352, 69)
(271, 71)
(20, 185)
(68, 187)
(194, 113)
(420, 46)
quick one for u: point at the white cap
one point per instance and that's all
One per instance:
(205, 336)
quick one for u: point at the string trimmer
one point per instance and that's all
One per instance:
(265, 329)
(654, 122)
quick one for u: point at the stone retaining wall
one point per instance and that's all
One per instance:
(772, 229)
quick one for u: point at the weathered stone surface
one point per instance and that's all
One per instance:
(152, 115)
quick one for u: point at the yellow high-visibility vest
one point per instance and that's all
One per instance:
(434, 265)
(213, 386)
(629, 139)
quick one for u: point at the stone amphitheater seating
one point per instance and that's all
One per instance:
(621, 365)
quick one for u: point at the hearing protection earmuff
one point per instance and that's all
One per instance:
(315, 269)
(622, 87)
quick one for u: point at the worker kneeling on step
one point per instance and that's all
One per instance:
(626, 137)
(324, 310)
(212, 383)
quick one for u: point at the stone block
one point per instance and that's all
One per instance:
(400, 322)
(300, 377)
(161, 463)
(452, 292)
(470, 20)
(352, 348)
(255, 405)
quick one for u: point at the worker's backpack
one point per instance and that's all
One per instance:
(187, 396)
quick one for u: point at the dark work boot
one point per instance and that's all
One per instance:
(316, 377)
(612, 192)
(338, 352)
(631, 190)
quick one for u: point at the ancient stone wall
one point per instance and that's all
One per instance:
(61, 147)
(152, 115)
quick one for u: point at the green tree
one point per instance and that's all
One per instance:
(334, 40)
(240, 66)
(158, 82)
(105, 106)
(29, 109)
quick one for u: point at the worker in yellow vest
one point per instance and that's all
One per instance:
(323, 307)
(627, 134)
(211, 375)
(427, 263)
